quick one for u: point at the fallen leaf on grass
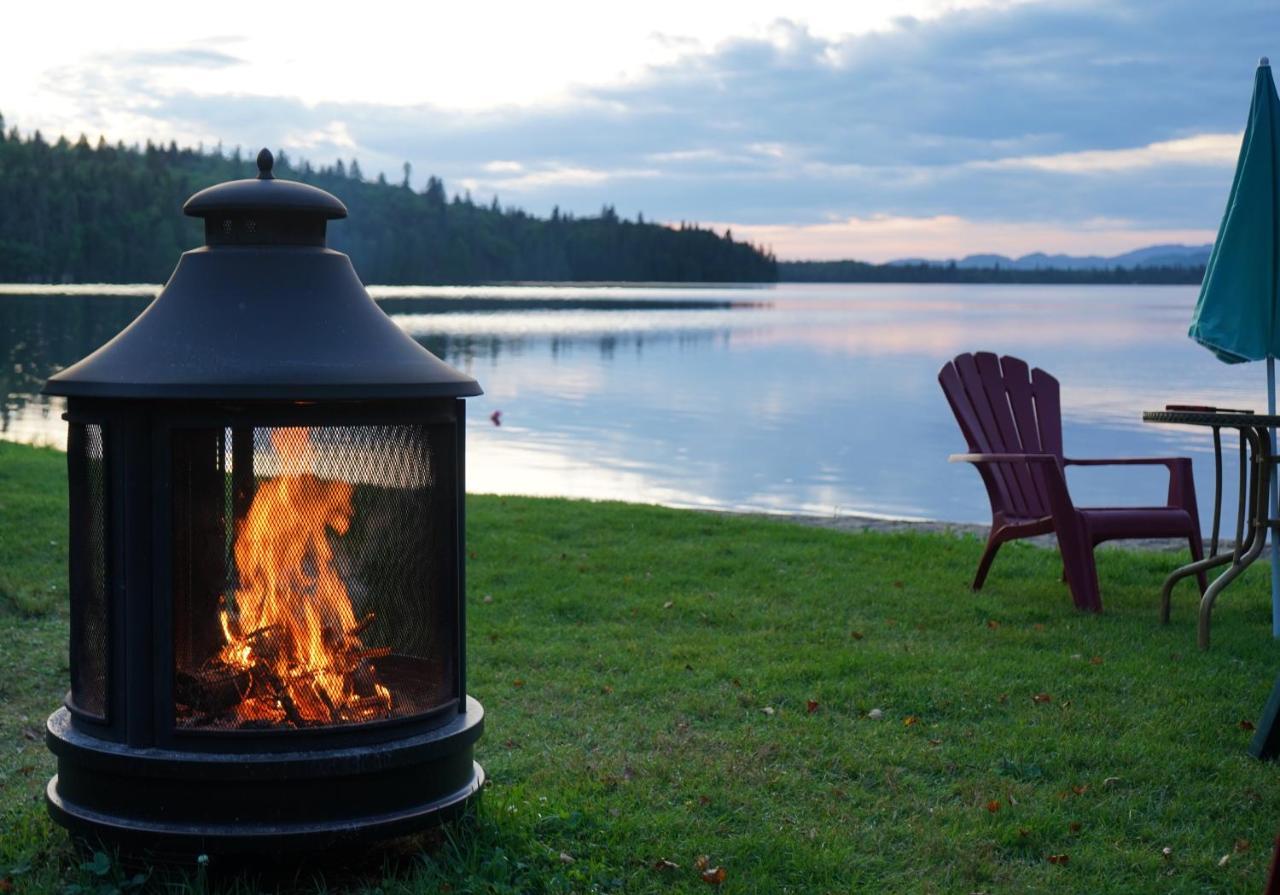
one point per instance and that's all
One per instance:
(713, 876)
(704, 801)
(1073, 827)
(1222, 862)
(1002, 698)
(1038, 626)
(811, 706)
(992, 624)
(1246, 724)
(1241, 846)
(606, 690)
(993, 806)
(737, 683)
(518, 682)
(668, 604)
(910, 721)
(1080, 790)
(1042, 697)
(856, 635)
(1059, 859)
(1096, 660)
(662, 865)
(935, 742)
(768, 710)
(899, 585)
(702, 862)
(510, 744)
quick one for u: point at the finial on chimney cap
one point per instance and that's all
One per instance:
(265, 161)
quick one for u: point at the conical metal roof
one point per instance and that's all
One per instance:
(263, 311)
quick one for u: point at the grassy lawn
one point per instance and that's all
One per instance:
(812, 711)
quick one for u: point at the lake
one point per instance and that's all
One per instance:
(791, 398)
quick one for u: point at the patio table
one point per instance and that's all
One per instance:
(1252, 517)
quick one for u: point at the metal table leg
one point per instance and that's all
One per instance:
(1248, 550)
(1213, 560)
(1217, 489)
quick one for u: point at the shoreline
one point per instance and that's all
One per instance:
(855, 524)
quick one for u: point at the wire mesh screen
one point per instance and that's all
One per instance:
(313, 575)
(86, 458)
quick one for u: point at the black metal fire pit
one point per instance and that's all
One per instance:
(266, 554)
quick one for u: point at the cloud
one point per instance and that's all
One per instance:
(190, 57)
(1215, 150)
(1045, 113)
(518, 180)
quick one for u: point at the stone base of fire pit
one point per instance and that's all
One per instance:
(191, 803)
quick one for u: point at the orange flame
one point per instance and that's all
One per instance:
(292, 625)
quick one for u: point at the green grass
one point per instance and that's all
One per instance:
(626, 660)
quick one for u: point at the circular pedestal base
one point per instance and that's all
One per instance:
(190, 803)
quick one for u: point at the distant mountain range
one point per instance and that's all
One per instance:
(1155, 265)
(1151, 256)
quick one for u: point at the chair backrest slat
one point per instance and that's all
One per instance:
(1048, 411)
(1004, 407)
(1022, 404)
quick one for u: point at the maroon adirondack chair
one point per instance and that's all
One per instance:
(1012, 422)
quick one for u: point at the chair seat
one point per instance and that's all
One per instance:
(1137, 522)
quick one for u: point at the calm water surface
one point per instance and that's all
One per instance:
(791, 398)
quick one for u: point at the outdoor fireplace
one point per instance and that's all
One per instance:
(266, 554)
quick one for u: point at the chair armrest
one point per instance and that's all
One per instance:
(1003, 458)
(1046, 470)
(1182, 486)
(1129, 461)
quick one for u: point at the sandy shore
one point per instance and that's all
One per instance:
(852, 523)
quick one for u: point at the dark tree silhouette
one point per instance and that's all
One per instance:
(87, 212)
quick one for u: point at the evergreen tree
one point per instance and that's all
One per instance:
(107, 213)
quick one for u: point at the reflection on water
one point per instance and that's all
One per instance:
(813, 398)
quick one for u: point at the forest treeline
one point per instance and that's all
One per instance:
(863, 272)
(104, 213)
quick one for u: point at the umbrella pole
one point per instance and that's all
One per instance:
(1275, 548)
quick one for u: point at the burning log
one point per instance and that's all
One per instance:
(212, 690)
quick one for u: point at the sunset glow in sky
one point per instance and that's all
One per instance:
(826, 130)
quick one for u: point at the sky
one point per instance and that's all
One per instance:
(918, 128)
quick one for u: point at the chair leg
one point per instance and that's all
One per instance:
(1082, 573)
(1197, 554)
(984, 564)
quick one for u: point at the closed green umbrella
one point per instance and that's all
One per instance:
(1237, 316)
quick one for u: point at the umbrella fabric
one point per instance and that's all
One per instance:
(1236, 316)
